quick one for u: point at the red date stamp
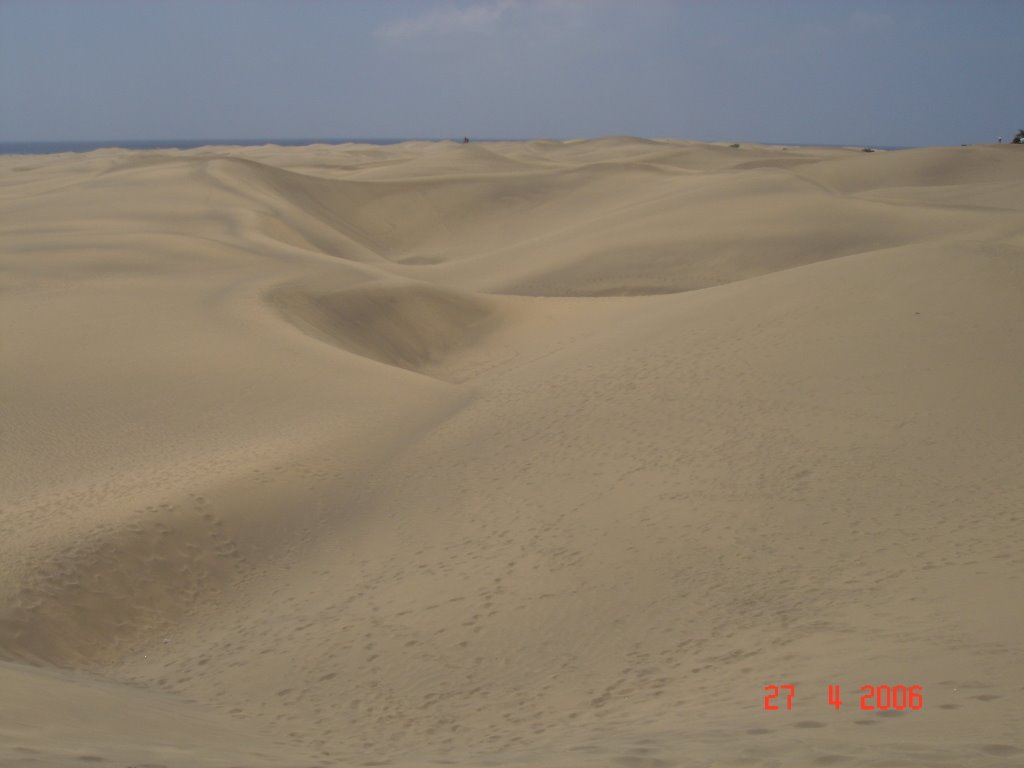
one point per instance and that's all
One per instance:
(872, 697)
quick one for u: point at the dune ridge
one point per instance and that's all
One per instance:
(529, 452)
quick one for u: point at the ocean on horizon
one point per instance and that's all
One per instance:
(56, 147)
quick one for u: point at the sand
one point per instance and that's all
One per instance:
(540, 453)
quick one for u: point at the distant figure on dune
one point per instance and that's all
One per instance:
(465, 139)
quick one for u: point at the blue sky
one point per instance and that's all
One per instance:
(901, 72)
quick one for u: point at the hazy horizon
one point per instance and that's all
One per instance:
(860, 73)
(286, 141)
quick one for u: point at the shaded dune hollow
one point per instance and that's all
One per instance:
(408, 326)
(115, 589)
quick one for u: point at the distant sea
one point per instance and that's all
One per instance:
(53, 147)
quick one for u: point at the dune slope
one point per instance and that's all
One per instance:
(554, 453)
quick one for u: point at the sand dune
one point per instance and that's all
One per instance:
(548, 453)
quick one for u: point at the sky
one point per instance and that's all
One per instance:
(892, 73)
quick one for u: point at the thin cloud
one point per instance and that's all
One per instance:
(447, 20)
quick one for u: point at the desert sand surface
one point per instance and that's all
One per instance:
(539, 453)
